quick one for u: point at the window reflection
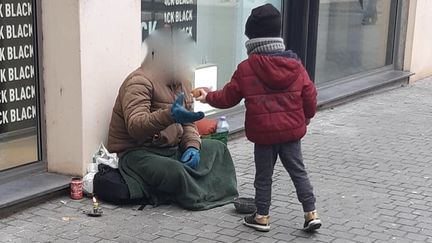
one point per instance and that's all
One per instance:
(353, 36)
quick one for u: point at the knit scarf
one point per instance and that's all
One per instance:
(264, 45)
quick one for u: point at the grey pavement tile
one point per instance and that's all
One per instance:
(166, 233)
(284, 237)
(403, 221)
(379, 236)
(343, 235)
(106, 241)
(410, 229)
(226, 238)
(8, 237)
(60, 240)
(185, 237)
(147, 236)
(190, 231)
(342, 241)
(204, 240)
(247, 236)
(208, 235)
(323, 238)
(86, 239)
(68, 235)
(127, 238)
(44, 238)
(228, 232)
(417, 237)
(361, 232)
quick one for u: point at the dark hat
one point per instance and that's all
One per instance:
(264, 21)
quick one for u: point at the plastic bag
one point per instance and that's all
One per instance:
(92, 169)
(101, 156)
(88, 183)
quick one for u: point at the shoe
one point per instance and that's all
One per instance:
(312, 222)
(261, 223)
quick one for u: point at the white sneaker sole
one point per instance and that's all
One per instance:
(262, 228)
(313, 225)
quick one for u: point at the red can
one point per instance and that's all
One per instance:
(76, 188)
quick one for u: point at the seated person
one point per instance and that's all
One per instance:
(162, 157)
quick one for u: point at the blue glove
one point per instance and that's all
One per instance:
(191, 157)
(181, 115)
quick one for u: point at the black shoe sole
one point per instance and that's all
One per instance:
(260, 228)
(312, 226)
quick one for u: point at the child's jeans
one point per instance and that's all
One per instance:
(291, 157)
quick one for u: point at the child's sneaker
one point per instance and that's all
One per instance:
(258, 222)
(312, 222)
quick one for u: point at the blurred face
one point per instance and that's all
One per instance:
(168, 55)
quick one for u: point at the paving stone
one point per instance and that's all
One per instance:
(166, 233)
(147, 236)
(379, 236)
(264, 239)
(59, 240)
(127, 238)
(203, 240)
(409, 229)
(208, 235)
(362, 232)
(229, 232)
(185, 237)
(284, 237)
(246, 236)
(416, 237)
(190, 231)
(86, 239)
(323, 238)
(106, 241)
(164, 240)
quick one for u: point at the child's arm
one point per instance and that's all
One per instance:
(309, 96)
(228, 97)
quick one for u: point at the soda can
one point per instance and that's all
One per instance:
(76, 188)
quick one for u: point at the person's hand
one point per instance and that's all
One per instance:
(181, 115)
(191, 157)
(197, 91)
(203, 95)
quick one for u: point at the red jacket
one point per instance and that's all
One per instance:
(279, 97)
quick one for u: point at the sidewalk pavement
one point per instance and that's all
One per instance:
(369, 161)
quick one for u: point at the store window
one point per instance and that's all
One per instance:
(354, 36)
(19, 111)
(217, 26)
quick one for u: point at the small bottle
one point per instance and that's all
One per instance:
(222, 125)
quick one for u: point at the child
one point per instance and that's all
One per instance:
(280, 99)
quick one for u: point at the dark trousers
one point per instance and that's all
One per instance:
(291, 156)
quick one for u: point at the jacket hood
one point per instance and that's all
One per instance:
(277, 70)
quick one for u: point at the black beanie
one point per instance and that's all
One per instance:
(264, 21)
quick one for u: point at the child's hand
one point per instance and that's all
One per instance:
(200, 94)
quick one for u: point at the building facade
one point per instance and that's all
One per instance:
(62, 62)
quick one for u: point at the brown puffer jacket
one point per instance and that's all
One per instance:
(142, 116)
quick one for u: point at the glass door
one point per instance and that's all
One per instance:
(19, 90)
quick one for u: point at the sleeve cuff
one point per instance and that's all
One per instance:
(209, 98)
(194, 144)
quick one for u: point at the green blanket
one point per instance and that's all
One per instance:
(158, 175)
